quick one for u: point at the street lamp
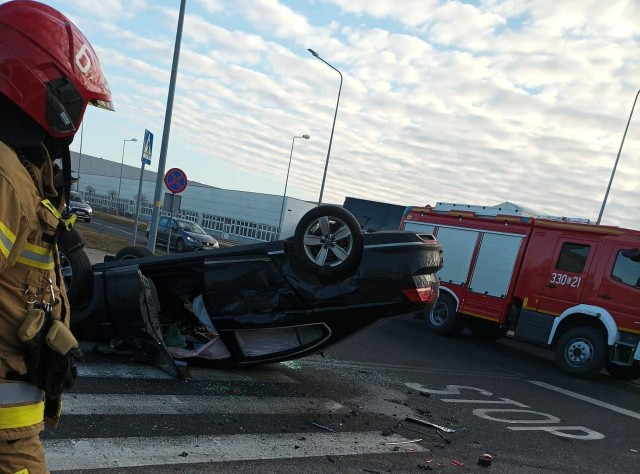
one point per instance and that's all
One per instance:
(124, 143)
(284, 196)
(606, 194)
(326, 165)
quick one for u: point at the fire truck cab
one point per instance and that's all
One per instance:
(561, 283)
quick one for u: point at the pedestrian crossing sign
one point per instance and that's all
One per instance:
(147, 147)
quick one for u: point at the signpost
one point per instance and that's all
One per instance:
(147, 149)
(176, 181)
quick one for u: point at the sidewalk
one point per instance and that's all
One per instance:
(95, 256)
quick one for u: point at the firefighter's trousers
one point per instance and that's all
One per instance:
(21, 415)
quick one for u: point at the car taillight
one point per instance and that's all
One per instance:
(420, 295)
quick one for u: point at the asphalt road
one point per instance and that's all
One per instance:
(346, 411)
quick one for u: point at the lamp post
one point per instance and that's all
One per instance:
(326, 165)
(124, 143)
(613, 172)
(284, 196)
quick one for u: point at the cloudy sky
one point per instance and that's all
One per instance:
(479, 101)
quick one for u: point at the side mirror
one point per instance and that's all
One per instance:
(632, 254)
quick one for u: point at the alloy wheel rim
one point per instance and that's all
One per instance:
(328, 241)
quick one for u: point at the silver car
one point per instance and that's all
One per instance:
(79, 207)
(185, 235)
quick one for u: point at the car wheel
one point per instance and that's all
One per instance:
(137, 251)
(485, 330)
(581, 351)
(623, 372)
(328, 241)
(77, 275)
(442, 317)
(180, 247)
(88, 220)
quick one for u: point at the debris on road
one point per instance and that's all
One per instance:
(322, 426)
(485, 460)
(403, 442)
(455, 462)
(445, 439)
(428, 423)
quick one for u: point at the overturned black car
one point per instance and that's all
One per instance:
(257, 303)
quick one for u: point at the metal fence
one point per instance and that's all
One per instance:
(219, 226)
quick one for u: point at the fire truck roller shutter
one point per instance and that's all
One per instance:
(458, 246)
(495, 262)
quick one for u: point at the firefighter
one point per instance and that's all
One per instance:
(48, 74)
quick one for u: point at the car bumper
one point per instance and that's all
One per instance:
(200, 246)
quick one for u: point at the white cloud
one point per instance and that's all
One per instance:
(522, 100)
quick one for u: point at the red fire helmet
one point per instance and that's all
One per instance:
(48, 68)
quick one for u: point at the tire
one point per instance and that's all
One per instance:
(88, 219)
(443, 318)
(328, 241)
(180, 246)
(485, 330)
(131, 252)
(581, 351)
(77, 274)
(623, 372)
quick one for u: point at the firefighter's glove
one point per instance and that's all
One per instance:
(61, 371)
(32, 325)
(31, 334)
(60, 339)
(52, 411)
(51, 352)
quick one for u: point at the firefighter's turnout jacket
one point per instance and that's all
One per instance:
(29, 275)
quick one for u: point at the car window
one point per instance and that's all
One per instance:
(163, 222)
(573, 257)
(192, 227)
(626, 269)
(74, 196)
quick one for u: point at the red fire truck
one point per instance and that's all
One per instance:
(562, 283)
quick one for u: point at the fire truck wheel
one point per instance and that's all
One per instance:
(442, 317)
(581, 351)
(624, 372)
(485, 331)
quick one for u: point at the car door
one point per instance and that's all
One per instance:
(619, 290)
(174, 234)
(568, 273)
(163, 229)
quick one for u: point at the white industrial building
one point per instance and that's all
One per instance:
(235, 215)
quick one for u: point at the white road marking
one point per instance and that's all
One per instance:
(584, 398)
(121, 371)
(97, 453)
(136, 404)
(420, 370)
(138, 371)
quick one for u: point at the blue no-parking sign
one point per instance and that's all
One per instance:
(147, 147)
